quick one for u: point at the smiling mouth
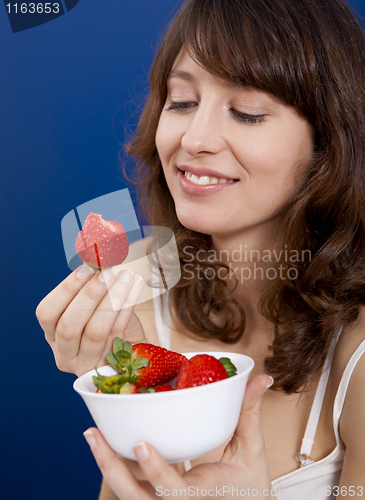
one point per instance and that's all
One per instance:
(205, 180)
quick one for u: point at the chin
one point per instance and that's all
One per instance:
(194, 222)
(201, 224)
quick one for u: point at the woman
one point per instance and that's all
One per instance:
(251, 149)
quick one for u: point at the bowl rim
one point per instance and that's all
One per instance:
(100, 395)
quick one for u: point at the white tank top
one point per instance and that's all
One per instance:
(312, 480)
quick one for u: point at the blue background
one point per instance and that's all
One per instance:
(68, 91)
(62, 87)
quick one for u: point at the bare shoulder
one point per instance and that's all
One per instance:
(351, 426)
(349, 341)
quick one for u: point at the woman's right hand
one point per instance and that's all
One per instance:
(79, 321)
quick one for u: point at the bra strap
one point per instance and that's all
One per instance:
(310, 431)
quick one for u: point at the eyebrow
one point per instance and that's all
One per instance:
(184, 75)
(189, 77)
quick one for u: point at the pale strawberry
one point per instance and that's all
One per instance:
(102, 243)
(128, 388)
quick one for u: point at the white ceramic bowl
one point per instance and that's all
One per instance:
(182, 425)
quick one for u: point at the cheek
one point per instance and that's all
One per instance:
(159, 140)
(277, 154)
(167, 139)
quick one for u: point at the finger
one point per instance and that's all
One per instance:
(157, 471)
(72, 322)
(133, 332)
(55, 303)
(249, 428)
(107, 323)
(115, 472)
(127, 324)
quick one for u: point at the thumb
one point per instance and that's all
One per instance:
(116, 473)
(249, 428)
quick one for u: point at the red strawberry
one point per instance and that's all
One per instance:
(164, 388)
(102, 243)
(163, 366)
(148, 364)
(200, 370)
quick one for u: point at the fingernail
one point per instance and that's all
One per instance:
(105, 276)
(271, 383)
(141, 451)
(88, 435)
(137, 281)
(126, 276)
(84, 272)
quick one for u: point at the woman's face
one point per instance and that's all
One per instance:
(232, 157)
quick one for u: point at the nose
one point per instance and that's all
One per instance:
(203, 133)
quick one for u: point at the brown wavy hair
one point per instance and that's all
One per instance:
(310, 54)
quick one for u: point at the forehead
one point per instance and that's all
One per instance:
(185, 69)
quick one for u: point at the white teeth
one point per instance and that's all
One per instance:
(205, 180)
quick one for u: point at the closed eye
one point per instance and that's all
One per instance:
(246, 118)
(181, 106)
(243, 117)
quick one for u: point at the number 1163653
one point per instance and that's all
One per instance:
(33, 8)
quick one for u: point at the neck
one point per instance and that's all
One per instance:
(254, 265)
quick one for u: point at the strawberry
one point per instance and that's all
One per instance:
(102, 243)
(114, 384)
(159, 388)
(204, 369)
(164, 388)
(148, 364)
(128, 388)
(111, 385)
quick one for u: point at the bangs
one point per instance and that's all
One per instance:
(252, 43)
(307, 53)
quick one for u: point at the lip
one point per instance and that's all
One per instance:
(201, 190)
(203, 171)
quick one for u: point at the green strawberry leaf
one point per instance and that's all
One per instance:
(118, 345)
(107, 390)
(97, 382)
(128, 347)
(143, 390)
(123, 354)
(140, 363)
(229, 366)
(113, 360)
(116, 388)
(100, 384)
(102, 377)
(123, 379)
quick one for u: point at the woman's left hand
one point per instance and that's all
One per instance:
(243, 466)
